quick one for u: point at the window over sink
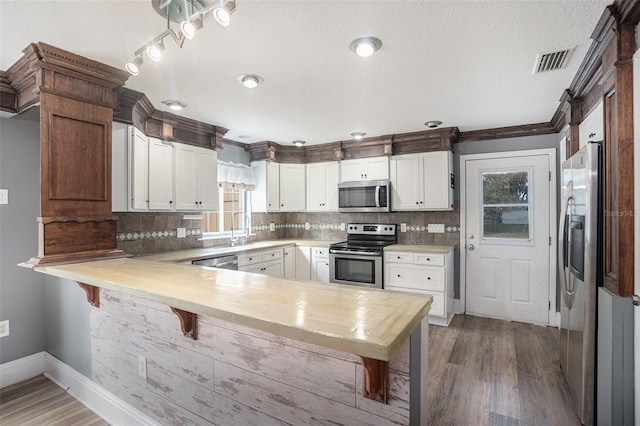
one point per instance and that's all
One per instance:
(233, 218)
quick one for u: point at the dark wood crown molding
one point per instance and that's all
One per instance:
(136, 109)
(508, 132)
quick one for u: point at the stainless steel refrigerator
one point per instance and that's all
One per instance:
(579, 254)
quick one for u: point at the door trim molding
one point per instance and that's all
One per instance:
(553, 221)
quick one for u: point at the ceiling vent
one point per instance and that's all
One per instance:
(552, 61)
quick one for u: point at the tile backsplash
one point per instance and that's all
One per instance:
(144, 233)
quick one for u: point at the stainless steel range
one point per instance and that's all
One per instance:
(358, 261)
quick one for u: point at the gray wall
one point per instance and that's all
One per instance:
(45, 313)
(234, 153)
(66, 323)
(21, 289)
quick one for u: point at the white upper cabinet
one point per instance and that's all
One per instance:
(322, 186)
(292, 187)
(279, 187)
(208, 190)
(422, 181)
(266, 196)
(139, 170)
(149, 174)
(119, 161)
(196, 178)
(375, 168)
(161, 195)
(592, 127)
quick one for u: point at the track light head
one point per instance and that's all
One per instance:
(223, 12)
(190, 27)
(134, 67)
(154, 51)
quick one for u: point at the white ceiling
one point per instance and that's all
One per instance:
(466, 63)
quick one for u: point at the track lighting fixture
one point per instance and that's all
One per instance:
(134, 67)
(222, 12)
(191, 20)
(154, 51)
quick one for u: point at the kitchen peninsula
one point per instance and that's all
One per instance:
(268, 350)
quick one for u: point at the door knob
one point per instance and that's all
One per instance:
(470, 236)
(471, 247)
(635, 299)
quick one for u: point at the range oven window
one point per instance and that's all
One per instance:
(355, 270)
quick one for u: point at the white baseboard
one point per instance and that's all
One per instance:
(21, 369)
(96, 398)
(456, 306)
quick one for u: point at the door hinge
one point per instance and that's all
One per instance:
(549, 176)
(549, 304)
(549, 240)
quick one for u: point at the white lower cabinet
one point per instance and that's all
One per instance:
(320, 264)
(290, 263)
(425, 273)
(267, 262)
(303, 263)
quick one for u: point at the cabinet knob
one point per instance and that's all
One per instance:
(428, 278)
(428, 259)
(170, 202)
(281, 205)
(417, 202)
(399, 258)
(398, 275)
(421, 202)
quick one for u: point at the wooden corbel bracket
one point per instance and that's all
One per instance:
(187, 322)
(376, 379)
(93, 294)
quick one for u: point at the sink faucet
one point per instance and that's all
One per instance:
(234, 239)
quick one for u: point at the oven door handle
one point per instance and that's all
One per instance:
(378, 196)
(359, 253)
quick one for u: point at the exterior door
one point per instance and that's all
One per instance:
(507, 249)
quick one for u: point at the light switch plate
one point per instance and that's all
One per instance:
(182, 232)
(436, 228)
(307, 226)
(4, 196)
(343, 226)
(272, 226)
(403, 227)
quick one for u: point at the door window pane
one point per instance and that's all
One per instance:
(506, 204)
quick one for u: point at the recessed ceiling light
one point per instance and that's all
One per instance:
(174, 105)
(433, 124)
(298, 143)
(365, 46)
(250, 81)
(358, 135)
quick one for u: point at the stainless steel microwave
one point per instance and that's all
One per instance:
(369, 196)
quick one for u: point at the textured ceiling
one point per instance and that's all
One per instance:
(466, 63)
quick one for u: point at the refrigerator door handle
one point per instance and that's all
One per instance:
(564, 271)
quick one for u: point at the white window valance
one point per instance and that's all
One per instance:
(239, 176)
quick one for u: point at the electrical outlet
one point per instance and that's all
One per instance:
(4, 328)
(343, 226)
(435, 228)
(4, 196)
(142, 366)
(403, 227)
(182, 232)
(307, 226)
(272, 227)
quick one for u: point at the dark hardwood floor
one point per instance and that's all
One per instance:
(39, 401)
(491, 372)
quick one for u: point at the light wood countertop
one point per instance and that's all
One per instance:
(180, 256)
(366, 322)
(420, 248)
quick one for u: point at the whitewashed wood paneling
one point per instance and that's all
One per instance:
(232, 374)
